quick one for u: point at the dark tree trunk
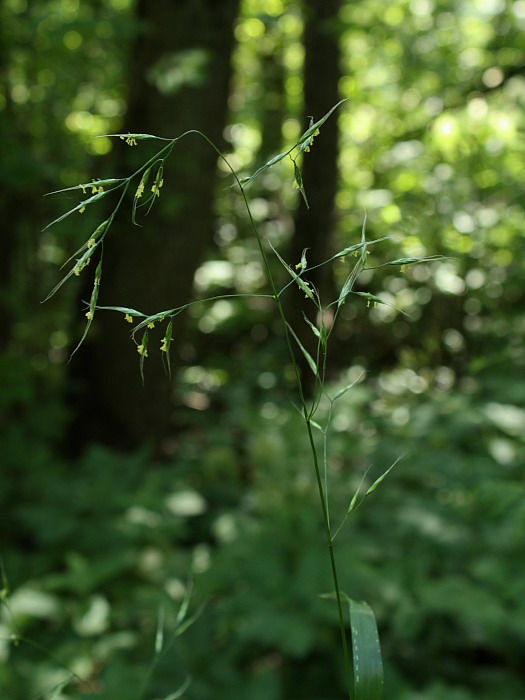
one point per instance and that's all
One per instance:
(314, 226)
(179, 81)
(273, 103)
(10, 199)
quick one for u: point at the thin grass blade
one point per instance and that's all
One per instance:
(122, 310)
(415, 261)
(139, 192)
(166, 345)
(314, 329)
(358, 268)
(303, 286)
(273, 161)
(383, 476)
(142, 349)
(178, 693)
(307, 135)
(343, 391)
(75, 270)
(313, 128)
(159, 634)
(90, 315)
(156, 318)
(136, 137)
(307, 356)
(97, 233)
(79, 206)
(94, 183)
(298, 178)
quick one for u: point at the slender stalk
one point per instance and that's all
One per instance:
(330, 544)
(307, 417)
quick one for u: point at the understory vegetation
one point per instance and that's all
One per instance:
(161, 533)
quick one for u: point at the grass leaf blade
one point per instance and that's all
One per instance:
(314, 329)
(159, 634)
(343, 391)
(358, 268)
(366, 653)
(383, 476)
(179, 693)
(307, 356)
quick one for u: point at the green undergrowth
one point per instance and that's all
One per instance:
(236, 563)
(234, 519)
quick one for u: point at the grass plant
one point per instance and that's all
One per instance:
(362, 658)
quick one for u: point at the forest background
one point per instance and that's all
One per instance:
(118, 498)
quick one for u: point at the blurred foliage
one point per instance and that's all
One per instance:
(97, 549)
(437, 550)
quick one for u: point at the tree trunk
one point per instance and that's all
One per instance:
(314, 226)
(273, 103)
(179, 81)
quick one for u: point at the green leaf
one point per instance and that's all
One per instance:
(97, 233)
(371, 297)
(79, 206)
(137, 137)
(90, 315)
(315, 330)
(308, 357)
(378, 481)
(353, 503)
(138, 194)
(366, 653)
(179, 693)
(313, 128)
(272, 161)
(358, 268)
(122, 310)
(159, 181)
(299, 182)
(75, 270)
(165, 346)
(303, 259)
(94, 183)
(343, 391)
(276, 159)
(142, 349)
(159, 634)
(378, 300)
(156, 318)
(300, 282)
(414, 261)
(357, 246)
